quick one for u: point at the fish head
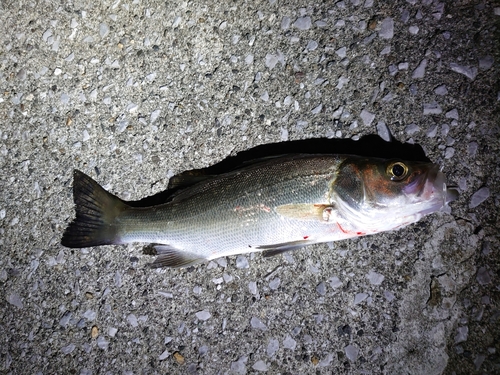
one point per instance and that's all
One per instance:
(377, 195)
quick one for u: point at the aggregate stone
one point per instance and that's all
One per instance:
(133, 93)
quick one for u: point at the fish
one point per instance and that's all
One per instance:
(270, 206)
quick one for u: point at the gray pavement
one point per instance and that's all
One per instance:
(134, 92)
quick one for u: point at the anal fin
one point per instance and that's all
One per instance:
(168, 256)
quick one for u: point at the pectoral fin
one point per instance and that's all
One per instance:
(280, 248)
(175, 258)
(306, 211)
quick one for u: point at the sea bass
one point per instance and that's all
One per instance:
(271, 206)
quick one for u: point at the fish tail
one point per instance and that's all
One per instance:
(96, 211)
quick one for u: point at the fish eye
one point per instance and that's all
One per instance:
(397, 171)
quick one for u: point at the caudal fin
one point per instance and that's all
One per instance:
(96, 211)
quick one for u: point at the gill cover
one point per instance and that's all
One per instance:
(363, 182)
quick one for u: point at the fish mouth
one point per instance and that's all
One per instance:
(431, 188)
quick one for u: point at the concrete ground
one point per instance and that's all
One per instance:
(134, 92)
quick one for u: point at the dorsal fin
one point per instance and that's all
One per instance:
(186, 179)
